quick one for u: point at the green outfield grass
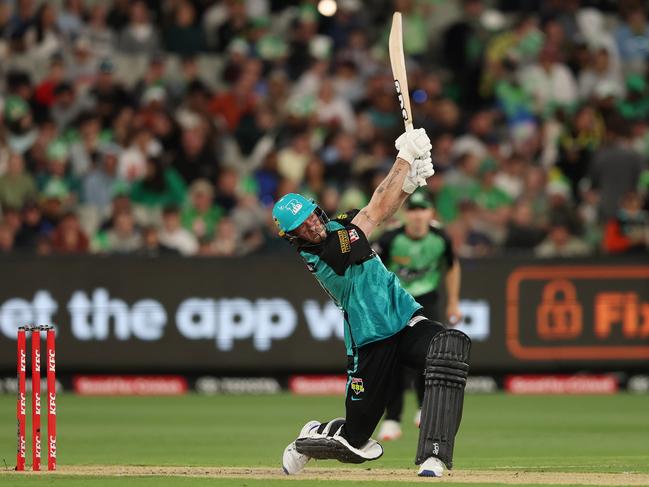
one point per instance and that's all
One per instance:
(527, 433)
(185, 482)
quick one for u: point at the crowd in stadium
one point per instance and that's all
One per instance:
(171, 127)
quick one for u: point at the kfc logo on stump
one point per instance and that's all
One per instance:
(52, 446)
(51, 403)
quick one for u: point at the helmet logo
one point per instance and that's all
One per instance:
(294, 206)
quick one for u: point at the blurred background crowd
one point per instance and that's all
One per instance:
(170, 127)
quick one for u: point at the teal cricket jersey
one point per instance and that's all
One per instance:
(375, 305)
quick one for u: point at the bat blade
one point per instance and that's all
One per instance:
(398, 63)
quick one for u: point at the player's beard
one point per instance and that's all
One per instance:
(317, 234)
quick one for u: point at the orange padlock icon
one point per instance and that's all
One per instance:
(559, 315)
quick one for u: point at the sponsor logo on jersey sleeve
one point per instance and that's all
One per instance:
(343, 238)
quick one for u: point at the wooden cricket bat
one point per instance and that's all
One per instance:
(398, 63)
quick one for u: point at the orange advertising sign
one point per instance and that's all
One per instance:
(578, 312)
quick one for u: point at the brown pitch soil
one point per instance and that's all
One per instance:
(357, 474)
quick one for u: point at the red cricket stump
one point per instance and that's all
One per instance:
(51, 398)
(36, 397)
(20, 397)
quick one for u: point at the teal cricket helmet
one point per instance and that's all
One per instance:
(291, 210)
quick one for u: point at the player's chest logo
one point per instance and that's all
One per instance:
(353, 235)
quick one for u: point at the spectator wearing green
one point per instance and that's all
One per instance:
(509, 50)
(490, 197)
(201, 216)
(415, 31)
(58, 173)
(19, 122)
(495, 204)
(636, 104)
(460, 184)
(160, 187)
(16, 185)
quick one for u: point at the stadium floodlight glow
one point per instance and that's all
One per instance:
(327, 7)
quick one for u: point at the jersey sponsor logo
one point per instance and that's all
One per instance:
(353, 235)
(343, 238)
(342, 216)
(294, 206)
(357, 385)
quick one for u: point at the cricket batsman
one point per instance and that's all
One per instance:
(384, 326)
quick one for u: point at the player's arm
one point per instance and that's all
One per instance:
(452, 280)
(394, 189)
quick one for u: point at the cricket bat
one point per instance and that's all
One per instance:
(398, 63)
(399, 70)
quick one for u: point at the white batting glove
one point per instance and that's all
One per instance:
(420, 170)
(413, 145)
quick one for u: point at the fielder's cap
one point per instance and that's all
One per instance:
(419, 199)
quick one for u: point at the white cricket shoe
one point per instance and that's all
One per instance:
(417, 418)
(432, 467)
(294, 462)
(390, 430)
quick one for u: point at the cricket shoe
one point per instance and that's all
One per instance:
(390, 430)
(432, 467)
(293, 462)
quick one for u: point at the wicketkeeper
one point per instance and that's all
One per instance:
(384, 325)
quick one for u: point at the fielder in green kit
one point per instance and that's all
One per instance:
(385, 327)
